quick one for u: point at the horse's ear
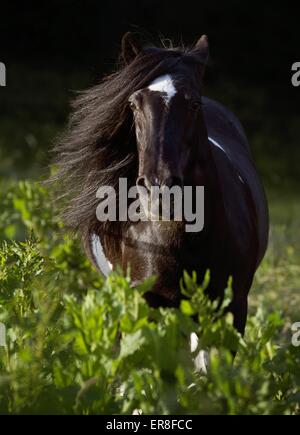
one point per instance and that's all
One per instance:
(201, 49)
(130, 47)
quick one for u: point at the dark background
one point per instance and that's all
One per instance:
(52, 48)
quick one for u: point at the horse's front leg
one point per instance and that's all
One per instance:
(201, 359)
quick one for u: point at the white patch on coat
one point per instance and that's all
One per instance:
(201, 360)
(215, 143)
(165, 85)
(102, 262)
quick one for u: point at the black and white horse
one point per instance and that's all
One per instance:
(149, 123)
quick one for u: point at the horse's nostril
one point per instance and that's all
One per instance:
(142, 181)
(173, 181)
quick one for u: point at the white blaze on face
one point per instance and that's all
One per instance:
(165, 85)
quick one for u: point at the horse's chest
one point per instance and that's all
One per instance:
(164, 252)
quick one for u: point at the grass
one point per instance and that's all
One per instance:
(277, 281)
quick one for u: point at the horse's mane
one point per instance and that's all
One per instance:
(98, 146)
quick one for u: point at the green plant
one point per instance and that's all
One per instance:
(76, 343)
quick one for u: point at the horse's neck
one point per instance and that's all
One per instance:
(202, 167)
(204, 173)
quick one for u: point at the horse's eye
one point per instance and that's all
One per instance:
(196, 104)
(131, 105)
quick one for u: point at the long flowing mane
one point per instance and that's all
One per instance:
(98, 146)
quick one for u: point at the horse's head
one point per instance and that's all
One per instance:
(167, 113)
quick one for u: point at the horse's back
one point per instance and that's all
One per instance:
(233, 159)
